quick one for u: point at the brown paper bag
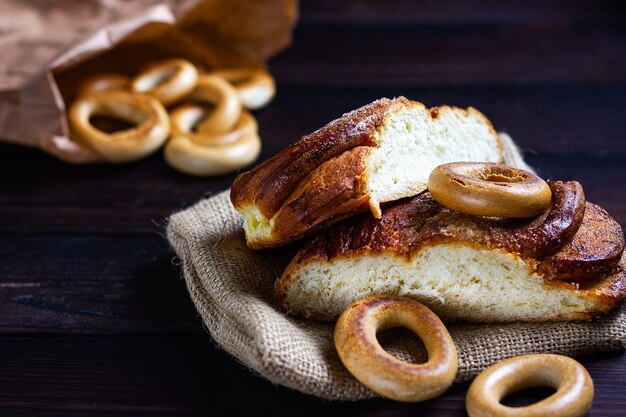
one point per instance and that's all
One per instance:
(49, 47)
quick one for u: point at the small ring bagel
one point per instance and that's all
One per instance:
(360, 352)
(168, 81)
(255, 87)
(215, 90)
(488, 189)
(183, 154)
(152, 128)
(186, 116)
(102, 82)
(571, 380)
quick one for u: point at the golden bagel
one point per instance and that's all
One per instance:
(489, 189)
(360, 352)
(216, 91)
(183, 154)
(151, 120)
(573, 396)
(212, 140)
(187, 116)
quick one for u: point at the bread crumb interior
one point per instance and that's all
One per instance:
(457, 281)
(412, 144)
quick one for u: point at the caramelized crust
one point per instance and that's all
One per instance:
(325, 197)
(593, 251)
(534, 238)
(419, 221)
(611, 289)
(271, 182)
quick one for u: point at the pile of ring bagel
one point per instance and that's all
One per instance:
(410, 215)
(202, 119)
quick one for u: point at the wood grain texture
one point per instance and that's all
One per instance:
(92, 285)
(188, 376)
(447, 54)
(457, 12)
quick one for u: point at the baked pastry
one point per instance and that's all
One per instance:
(564, 264)
(378, 153)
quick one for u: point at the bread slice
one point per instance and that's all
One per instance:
(464, 268)
(381, 152)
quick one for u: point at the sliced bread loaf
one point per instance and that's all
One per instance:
(466, 268)
(378, 153)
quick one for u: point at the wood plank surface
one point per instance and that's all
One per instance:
(458, 12)
(188, 376)
(92, 285)
(446, 54)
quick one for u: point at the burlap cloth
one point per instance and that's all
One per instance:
(232, 288)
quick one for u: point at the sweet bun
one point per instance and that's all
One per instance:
(378, 153)
(565, 264)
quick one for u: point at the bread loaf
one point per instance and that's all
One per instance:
(565, 264)
(381, 152)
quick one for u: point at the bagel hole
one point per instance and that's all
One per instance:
(527, 396)
(235, 81)
(500, 175)
(110, 124)
(165, 76)
(207, 110)
(502, 178)
(403, 344)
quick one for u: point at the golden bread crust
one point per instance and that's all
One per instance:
(419, 221)
(609, 290)
(269, 184)
(323, 198)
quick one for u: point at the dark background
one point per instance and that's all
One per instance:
(94, 318)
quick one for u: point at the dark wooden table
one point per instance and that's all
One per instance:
(94, 318)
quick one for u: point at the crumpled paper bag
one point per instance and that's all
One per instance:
(48, 47)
